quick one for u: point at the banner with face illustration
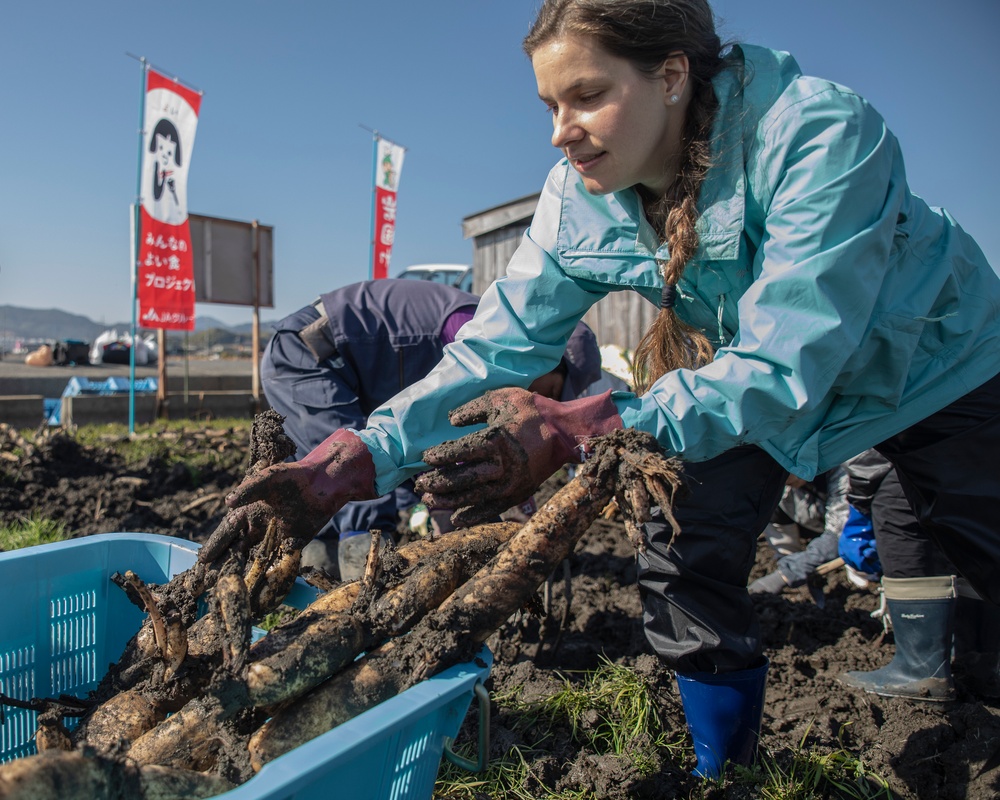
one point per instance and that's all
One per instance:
(388, 165)
(165, 271)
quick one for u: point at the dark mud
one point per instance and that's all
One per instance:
(923, 750)
(93, 490)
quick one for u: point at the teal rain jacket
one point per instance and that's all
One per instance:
(843, 308)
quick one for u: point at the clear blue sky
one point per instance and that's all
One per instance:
(288, 84)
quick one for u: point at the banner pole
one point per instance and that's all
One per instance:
(371, 257)
(255, 332)
(135, 248)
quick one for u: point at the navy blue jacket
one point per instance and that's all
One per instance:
(389, 331)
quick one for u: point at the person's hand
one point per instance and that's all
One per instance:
(300, 497)
(857, 544)
(527, 438)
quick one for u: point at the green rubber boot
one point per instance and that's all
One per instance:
(922, 612)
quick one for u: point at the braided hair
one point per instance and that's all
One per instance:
(646, 33)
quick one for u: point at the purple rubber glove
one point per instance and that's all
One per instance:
(300, 496)
(527, 438)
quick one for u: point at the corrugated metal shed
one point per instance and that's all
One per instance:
(619, 319)
(496, 233)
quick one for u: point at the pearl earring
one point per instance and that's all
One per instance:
(674, 98)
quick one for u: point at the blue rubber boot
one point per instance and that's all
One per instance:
(723, 713)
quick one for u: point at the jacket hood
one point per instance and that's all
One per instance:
(583, 361)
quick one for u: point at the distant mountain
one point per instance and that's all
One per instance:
(47, 323)
(247, 328)
(41, 324)
(207, 323)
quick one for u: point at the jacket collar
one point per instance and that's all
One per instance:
(722, 202)
(614, 224)
(752, 78)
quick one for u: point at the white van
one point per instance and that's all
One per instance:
(457, 275)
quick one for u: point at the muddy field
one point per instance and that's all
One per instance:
(922, 750)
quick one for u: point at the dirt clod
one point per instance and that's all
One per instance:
(922, 750)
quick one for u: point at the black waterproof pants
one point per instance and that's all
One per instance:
(697, 613)
(905, 550)
(949, 468)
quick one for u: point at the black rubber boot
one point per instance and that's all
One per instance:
(977, 643)
(922, 613)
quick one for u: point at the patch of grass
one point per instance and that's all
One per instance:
(509, 777)
(164, 440)
(611, 711)
(282, 614)
(811, 774)
(29, 531)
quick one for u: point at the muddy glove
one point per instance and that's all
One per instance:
(527, 438)
(300, 497)
(857, 544)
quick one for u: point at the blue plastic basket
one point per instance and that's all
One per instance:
(66, 622)
(113, 385)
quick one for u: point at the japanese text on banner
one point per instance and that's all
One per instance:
(388, 165)
(165, 269)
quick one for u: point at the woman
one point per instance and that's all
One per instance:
(812, 307)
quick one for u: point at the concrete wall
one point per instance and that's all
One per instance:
(27, 411)
(102, 409)
(22, 411)
(52, 381)
(200, 389)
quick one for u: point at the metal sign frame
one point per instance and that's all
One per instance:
(233, 261)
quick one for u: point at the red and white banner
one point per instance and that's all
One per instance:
(388, 165)
(165, 268)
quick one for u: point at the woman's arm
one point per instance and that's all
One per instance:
(518, 333)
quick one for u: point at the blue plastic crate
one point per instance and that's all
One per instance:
(52, 410)
(71, 622)
(113, 385)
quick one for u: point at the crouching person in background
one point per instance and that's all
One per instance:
(331, 363)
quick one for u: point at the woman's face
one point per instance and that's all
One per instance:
(617, 126)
